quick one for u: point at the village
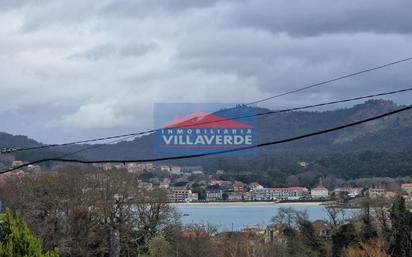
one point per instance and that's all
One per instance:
(186, 184)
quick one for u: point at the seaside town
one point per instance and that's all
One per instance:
(208, 128)
(346, 208)
(190, 184)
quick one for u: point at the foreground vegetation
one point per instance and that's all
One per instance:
(16, 239)
(90, 212)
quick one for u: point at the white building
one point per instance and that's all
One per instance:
(164, 184)
(259, 193)
(195, 197)
(319, 192)
(182, 195)
(33, 168)
(351, 192)
(235, 196)
(176, 170)
(220, 172)
(214, 194)
(376, 192)
(288, 193)
(165, 168)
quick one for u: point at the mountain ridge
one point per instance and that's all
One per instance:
(369, 136)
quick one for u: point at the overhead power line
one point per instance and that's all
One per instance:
(93, 147)
(131, 135)
(332, 80)
(217, 152)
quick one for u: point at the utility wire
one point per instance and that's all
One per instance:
(247, 116)
(94, 147)
(251, 103)
(85, 149)
(332, 80)
(77, 142)
(214, 121)
(219, 152)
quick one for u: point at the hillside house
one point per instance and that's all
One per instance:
(319, 192)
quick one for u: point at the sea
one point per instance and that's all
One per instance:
(238, 216)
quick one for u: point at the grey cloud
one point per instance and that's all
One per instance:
(96, 53)
(108, 51)
(136, 49)
(279, 63)
(72, 62)
(136, 8)
(55, 13)
(312, 17)
(10, 4)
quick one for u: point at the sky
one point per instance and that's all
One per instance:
(78, 69)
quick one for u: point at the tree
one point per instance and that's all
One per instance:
(16, 239)
(372, 248)
(159, 247)
(191, 241)
(368, 230)
(225, 196)
(311, 239)
(380, 209)
(294, 246)
(152, 214)
(345, 235)
(245, 244)
(289, 216)
(336, 216)
(85, 212)
(401, 218)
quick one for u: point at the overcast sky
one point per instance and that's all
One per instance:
(76, 69)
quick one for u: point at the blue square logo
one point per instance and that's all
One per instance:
(199, 128)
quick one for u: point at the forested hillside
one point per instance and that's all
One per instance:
(380, 148)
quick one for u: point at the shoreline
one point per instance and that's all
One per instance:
(252, 203)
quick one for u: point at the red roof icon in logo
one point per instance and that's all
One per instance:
(204, 120)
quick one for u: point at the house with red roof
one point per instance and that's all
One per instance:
(407, 187)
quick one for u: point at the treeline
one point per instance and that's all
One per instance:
(83, 211)
(383, 228)
(342, 165)
(86, 212)
(389, 134)
(16, 240)
(334, 169)
(367, 164)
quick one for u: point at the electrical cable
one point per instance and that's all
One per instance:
(217, 152)
(214, 121)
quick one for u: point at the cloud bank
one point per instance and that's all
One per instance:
(87, 68)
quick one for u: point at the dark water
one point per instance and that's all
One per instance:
(228, 217)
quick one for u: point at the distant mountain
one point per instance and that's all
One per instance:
(373, 135)
(388, 134)
(8, 141)
(391, 134)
